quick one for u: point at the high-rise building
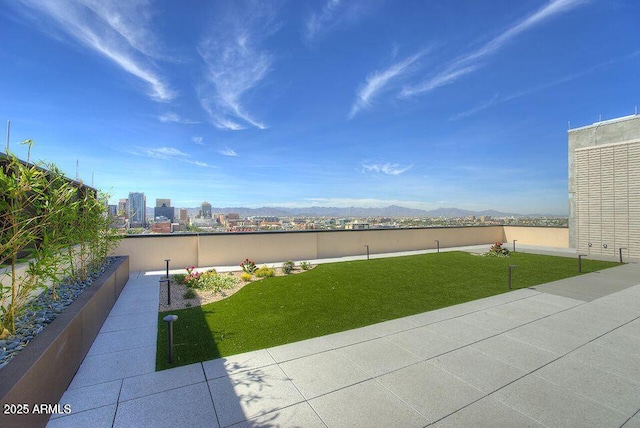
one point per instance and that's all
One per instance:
(123, 207)
(163, 208)
(137, 209)
(604, 188)
(184, 215)
(205, 210)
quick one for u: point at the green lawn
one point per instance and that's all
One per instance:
(341, 296)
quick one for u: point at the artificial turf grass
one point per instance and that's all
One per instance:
(341, 296)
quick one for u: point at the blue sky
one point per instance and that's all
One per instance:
(423, 104)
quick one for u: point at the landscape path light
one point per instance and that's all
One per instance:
(168, 281)
(167, 260)
(437, 245)
(580, 256)
(514, 245)
(510, 274)
(620, 249)
(367, 251)
(170, 319)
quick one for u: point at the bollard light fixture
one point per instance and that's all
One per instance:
(170, 319)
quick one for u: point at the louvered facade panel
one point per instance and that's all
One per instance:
(607, 214)
(582, 202)
(621, 195)
(607, 200)
(594, 196)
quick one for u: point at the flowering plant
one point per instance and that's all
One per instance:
(248, 266)
(192, 277)
(498, 250)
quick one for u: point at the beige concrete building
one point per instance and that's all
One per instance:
(604, 188)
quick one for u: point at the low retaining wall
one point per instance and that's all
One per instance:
(41, 372)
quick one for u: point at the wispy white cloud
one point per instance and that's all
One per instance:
(119, 31)
(197, 140)
(387, 168)
(235, 64)
(228, 152)
(174, 118)
(163, 153)
(334, 13)
(379, 81)
(496, 100)
(169, 153)
(472, 60)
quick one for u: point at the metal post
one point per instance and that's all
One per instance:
(438, 245)
(620, 249)
(367, 251)
(168, 281)
(167, 260)
(514, 245)
(510, 274)
(580, 256)
(170, 319)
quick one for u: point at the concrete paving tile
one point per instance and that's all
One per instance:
(245, 395)
(624, 302)
(115, 365)
(487, 413)
(299, 415)
(102, 417)
(431, 317)
(127, 322)
(518, 314)
(633, 422)
(514, 352)
(189, 406)
(553, 405)
(607, 389)
(366, 405)
(537, 304)
(430, 390)
(611, 310)
(624, 343)
(567, 324)
(378, 357)
(631, 330)
(492, 322)
(91, 397)
(349, 337)
(123, 339)
(610, 359)
(462, 332)
(387, 328)
(237, 363)
(125, 308)
(152, 383)
(559, 301)
(294, 350)
(550, 340)
(423, 342)
(478, 369)
(322, 373)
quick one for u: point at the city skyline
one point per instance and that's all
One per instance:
(323, 103)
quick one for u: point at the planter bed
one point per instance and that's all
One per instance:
(43, 370)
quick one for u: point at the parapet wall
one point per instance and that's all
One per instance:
(148, 252)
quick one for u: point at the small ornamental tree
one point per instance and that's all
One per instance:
(43, 216)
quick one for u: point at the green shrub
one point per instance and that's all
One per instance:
(497, 250)
(215, 282)
(288, 266)
(179, 278)
(189, 294)
(264, 272)
(305, 265)
(246, 277)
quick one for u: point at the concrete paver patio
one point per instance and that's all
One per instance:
(560, 354)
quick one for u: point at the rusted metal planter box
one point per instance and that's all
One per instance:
(41, 373)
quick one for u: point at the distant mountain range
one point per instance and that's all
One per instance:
(390, 211)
